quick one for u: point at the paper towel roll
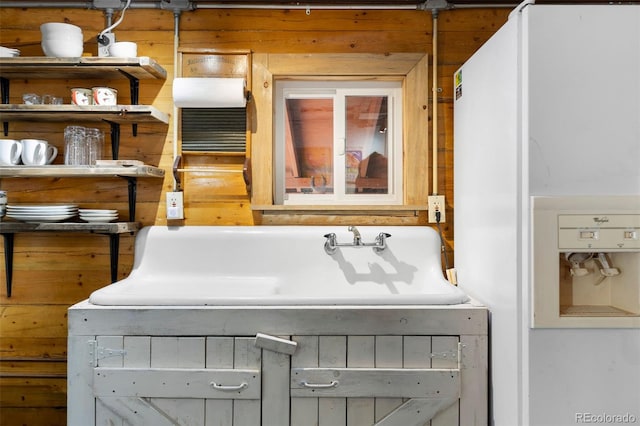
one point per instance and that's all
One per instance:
(202, 92)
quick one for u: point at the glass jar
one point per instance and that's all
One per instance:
(76, 149)
(95, 143)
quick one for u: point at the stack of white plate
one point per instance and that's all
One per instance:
(42, 212)
(7, 52)
(98, 215)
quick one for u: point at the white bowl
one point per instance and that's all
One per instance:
(70, 49)
(63, 38)
(59, 28)
(57, 33)
(62, 42)
(124, 49)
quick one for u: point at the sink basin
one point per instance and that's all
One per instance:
(282, 265)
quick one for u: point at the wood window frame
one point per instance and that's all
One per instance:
(205, 62)
(411, 68)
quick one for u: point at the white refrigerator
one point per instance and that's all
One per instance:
(548, 107)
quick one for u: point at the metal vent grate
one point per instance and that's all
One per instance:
(214, 129)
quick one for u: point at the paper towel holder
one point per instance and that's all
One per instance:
(210, 92)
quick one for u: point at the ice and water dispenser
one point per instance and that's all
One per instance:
(586, 262)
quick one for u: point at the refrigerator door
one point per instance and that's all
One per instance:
(581, 66)
(549, 106)
(488, 151)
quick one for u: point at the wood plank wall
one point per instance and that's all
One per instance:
(52, 272)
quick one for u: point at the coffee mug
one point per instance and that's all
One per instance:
(37, 152)
(10, 151)
(104, 96)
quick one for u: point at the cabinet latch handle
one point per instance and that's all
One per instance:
(229, 388)
(333, 384)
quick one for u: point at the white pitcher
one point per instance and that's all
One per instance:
(37, 152)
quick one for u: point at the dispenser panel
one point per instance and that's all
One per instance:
(586, 262)
(602, 232)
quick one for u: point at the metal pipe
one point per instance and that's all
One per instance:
(434, 124)
(176, 73)
(68, 5)
(391, 6)
(158, 5)
(207, 5)
(207, 170)
(306, 7)
(51, 5)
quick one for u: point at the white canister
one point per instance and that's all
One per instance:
(105, 96)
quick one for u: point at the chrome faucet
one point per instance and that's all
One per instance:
(331, 243)
(357, 239)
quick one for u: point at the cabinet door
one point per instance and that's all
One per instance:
(188, 381)
(375, 380)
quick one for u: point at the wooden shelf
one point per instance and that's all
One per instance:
(130, 173)
(36, 67)
(81, 171)
(112, 229)
(81, 68)
(95, 227)
(401, 209)
(119, 114)
(85, 68)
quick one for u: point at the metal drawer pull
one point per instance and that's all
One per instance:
(333, 384)
(229, 388)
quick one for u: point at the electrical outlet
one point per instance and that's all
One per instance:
(436, 203)
(175, 205)
(104, 43)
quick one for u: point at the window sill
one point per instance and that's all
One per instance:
(389, 210)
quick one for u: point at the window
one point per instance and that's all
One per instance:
(338, 142)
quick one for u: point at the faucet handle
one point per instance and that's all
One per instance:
(382, 236)
(381, 242)
(331, 244)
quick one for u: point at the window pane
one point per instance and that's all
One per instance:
(309, 145)
(366, 145)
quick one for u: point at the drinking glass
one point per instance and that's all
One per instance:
(76, 150)
(95, 143)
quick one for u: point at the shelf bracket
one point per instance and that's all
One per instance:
(134, 85)
(4, 84)
(8, 260)
(115, 139)
(114, 252)
(133, 190)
